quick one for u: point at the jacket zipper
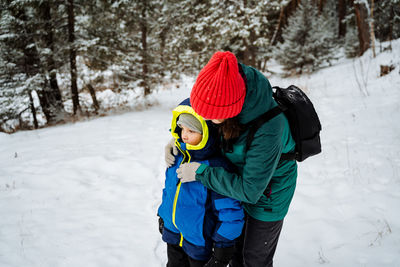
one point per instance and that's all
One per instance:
(178, 188)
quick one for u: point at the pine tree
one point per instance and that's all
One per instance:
(308, 40)
(351, 45)
(191, 37)
(50, 97)
(126, 44)
(20, 71)
(30, 42)
(387, 20)
(238, 26)
(100, 46)
(72, 56)
(341, 18)
(323, 39)
(100, 33)
(249, 36)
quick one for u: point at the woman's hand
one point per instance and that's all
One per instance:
(187, 172)
(170, 152)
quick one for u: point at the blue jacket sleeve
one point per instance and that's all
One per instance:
(230, 220)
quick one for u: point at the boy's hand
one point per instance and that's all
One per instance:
(187, 172)
(213, 262)
(160, 225)
(220, 257)
(170, 152)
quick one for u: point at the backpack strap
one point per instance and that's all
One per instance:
(259, 121)
(289, 156)
(255, 124)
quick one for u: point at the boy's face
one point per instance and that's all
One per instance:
(190, 137)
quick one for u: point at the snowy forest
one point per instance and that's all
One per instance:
(87, 90)
(64, 60)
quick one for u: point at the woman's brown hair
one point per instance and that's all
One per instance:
(230, 129)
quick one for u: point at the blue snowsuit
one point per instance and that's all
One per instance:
(195, 217)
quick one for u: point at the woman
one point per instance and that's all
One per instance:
(231, 95)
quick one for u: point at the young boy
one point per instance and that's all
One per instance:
(198, 225)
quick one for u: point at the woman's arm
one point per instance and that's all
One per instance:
(261, 161)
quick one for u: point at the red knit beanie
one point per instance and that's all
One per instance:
(219, 90)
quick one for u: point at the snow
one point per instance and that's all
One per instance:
(86, 194)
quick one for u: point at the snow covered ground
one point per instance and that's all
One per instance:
(86, 194)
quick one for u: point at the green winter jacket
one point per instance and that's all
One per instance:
(260, 165)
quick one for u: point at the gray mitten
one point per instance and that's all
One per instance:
(170, 152)
(187, 172)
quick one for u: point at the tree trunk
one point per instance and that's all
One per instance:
(372, 31)
(287, 12)
(264, 65)
(44, 102)
(33, 110)
(72, 57)
(249, 53)
(361, 13)
(143, 28)
(31, 67)
(163, 38)
(392, 18)
(342, 15)
(94, 98)
(321, 4)
(293, 5)
(53, 95)
(252, 49)
(278, 26)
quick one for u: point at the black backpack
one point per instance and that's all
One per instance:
(303, 120)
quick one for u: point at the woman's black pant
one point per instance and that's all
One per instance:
(178, 258)
(257, 243)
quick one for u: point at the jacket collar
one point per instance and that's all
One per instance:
(207, 145)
